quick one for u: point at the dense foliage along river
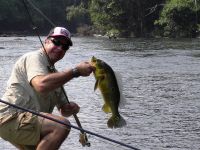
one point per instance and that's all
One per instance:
(161, 85)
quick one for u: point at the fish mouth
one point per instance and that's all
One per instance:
(93, 64)
(93, 61)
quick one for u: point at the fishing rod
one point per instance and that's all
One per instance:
(83, 137)
(68, 125)
(52, 68)
(41, 13)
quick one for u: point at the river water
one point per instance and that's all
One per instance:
(161, 86)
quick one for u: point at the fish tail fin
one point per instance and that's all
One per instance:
(116, 122)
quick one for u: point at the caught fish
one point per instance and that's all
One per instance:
(107, 83)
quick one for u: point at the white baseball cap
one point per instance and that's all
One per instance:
(60, 31)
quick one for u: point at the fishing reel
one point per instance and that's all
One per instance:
(84, 140)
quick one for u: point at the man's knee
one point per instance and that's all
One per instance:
(64, 127)
(61, 128)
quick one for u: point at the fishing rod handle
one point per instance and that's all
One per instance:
(75, 116)
(83, 137)
(52, 69)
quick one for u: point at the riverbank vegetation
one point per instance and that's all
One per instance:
(113, 18)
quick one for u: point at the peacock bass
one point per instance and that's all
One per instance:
(107, 84)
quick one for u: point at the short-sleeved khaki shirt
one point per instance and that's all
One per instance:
(20, 92)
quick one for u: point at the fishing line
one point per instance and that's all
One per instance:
(34, 27)
(52, 68)
(41, 13)
(68, 125)
(101, 140)
(83, 137)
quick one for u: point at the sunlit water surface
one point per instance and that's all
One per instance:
(161, 86)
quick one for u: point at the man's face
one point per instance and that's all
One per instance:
(56, 48)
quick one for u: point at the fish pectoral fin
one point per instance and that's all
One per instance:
(97, 82)
(106, 108)
(96, 85)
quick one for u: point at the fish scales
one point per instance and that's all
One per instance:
(106, 82)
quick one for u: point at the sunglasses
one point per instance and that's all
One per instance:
(57, 42)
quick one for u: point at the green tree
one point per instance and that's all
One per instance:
(107, 16)
(10, 13)
(125, 17)
(179, 18)
(78, 16)
(14, 17)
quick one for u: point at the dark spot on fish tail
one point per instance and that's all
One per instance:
(113, 122)
(110, 123)
(116, 122)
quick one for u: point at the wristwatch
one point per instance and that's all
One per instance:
(75, 73)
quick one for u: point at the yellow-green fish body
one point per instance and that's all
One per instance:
(107, 84)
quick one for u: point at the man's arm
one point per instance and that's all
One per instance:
(51, 81)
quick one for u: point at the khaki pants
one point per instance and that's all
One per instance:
(23, 131)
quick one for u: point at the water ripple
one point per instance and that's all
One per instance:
(161, 86)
